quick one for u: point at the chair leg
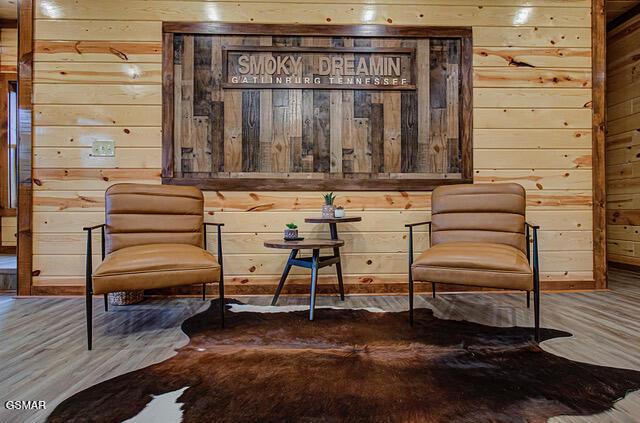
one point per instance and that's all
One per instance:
(89, 313)
(106, 302)
(222, 307)
(314, 282)
(528, 299)
(433, 290)
(410, 298)
(536, 307)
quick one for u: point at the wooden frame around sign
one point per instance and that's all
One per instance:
(300, 184)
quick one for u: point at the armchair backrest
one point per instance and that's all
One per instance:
(492, 213)
(138, 214)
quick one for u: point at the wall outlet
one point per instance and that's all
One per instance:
(103, 149)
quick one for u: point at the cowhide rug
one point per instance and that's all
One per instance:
(349, 365)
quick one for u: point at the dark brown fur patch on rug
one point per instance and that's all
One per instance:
(356, 366)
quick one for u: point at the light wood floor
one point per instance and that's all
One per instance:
(43, 355)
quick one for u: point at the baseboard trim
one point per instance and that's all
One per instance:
(624, 266)
(297, 288)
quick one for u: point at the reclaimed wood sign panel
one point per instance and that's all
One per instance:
(316, 110)
(336, 67)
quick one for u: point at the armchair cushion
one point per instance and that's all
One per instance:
(474, 263)
(155, 266)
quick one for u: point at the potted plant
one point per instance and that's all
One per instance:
(339, 212)
(291, 232)
(328, 209)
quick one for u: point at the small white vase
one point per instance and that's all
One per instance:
(339, 213)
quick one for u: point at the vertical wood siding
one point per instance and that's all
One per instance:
(98, 76)
(623, 143)
(429, 117)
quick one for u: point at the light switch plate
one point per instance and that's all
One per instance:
(103, 149)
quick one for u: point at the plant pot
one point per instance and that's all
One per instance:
(290, 233)
(328, 211)
(339, 213)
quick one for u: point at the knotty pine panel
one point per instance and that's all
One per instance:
(570, 98)
(9, 230)
(532, 118)
(508, 36)
(118, 73)
(83, 136)
(97, 115)
(530, 77)
(532, 57)
(271, 264)
(355, 242)
(532, 138)
(8, 50)
(299, 284)
(538, 179)
(623, 143)
(125, 33)
(313, 13)
(98, 51)
(261, 201)
(48, 157)
(94, 94)
(248, 265)
(46, 179)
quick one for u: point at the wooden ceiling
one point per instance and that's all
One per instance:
(8, 9)
(616, 8)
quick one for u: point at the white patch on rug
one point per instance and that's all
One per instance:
(162, 408)
(247, 308)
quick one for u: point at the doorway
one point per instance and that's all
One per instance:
(8, 179)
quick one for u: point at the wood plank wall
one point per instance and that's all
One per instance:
(8, 64)
(623, 143)
(8, 50)
(98, 76)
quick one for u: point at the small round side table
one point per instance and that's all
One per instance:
(315, 262)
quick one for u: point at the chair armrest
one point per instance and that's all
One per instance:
(90, 228)
(411, 225)
(89, 257)
(219, 227)
(213, 224)
(535, 259)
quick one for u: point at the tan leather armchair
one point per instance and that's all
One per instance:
(478, 237)
(153, 238)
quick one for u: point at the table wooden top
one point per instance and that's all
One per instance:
(333, 219)
(304, 244)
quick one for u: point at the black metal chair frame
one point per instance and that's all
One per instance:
(535, 265)
(89, 274)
